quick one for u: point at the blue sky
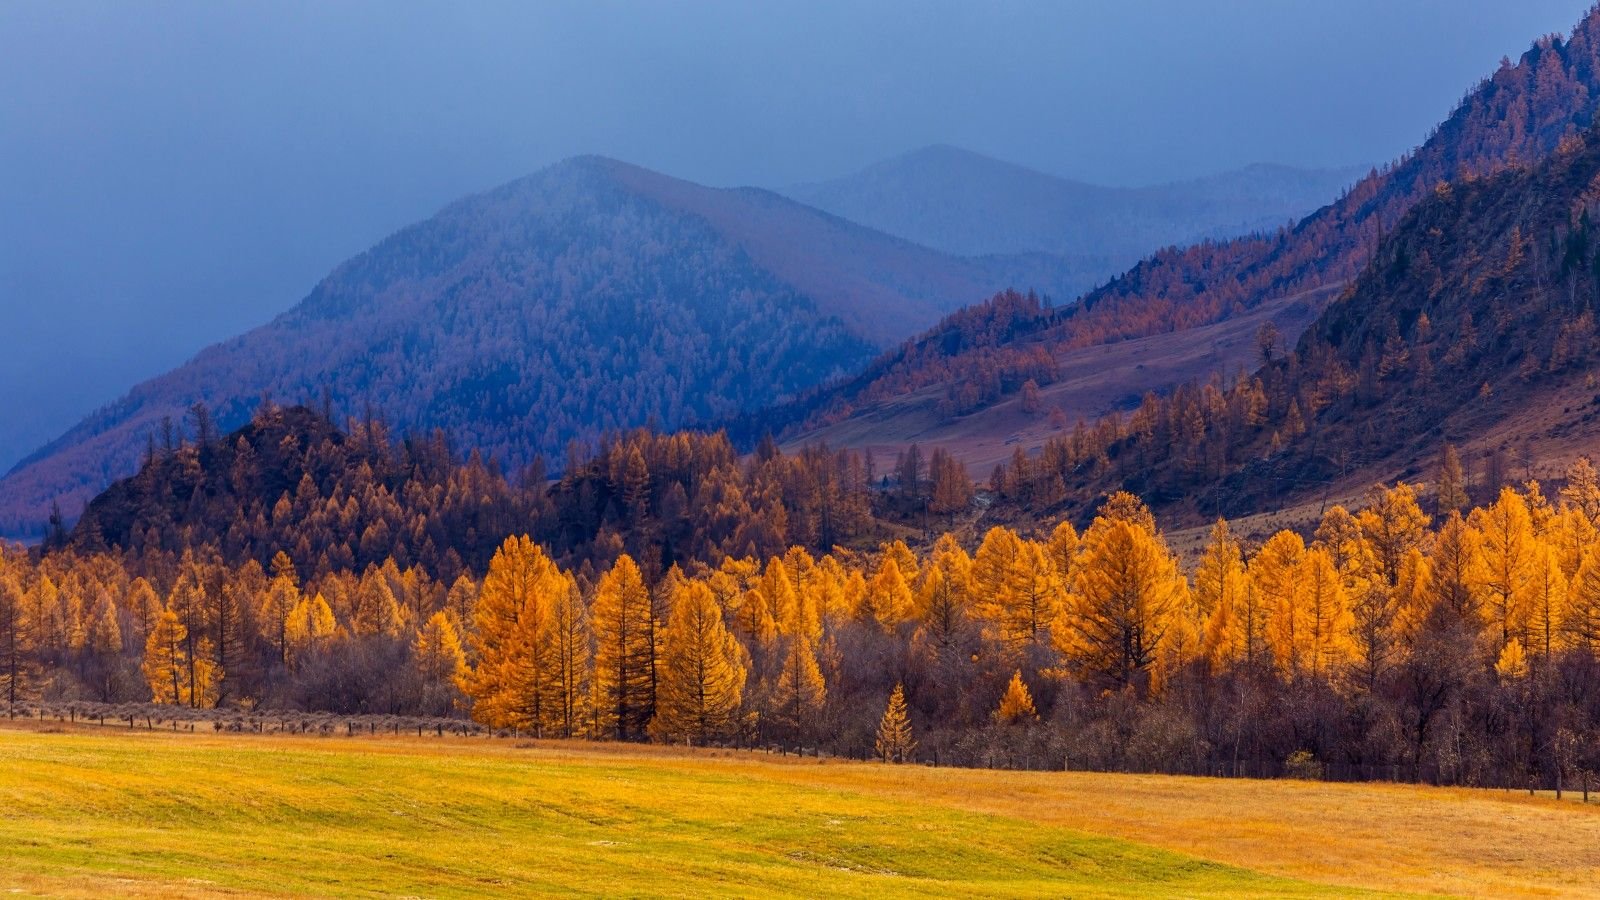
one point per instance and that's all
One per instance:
(176, 172)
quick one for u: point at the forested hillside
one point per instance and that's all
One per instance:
(590, 297)
(1465, 349)
(1514, 118)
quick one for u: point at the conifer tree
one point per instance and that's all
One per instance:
(17, 662)
(889, 601)
(894, 743)
(625, 651)
(520, 680)
(702, 670)
(1450, 488)
(1327, 644)
(437, 652)
(310, 625)
(796, 691)
(1547, 604)
(169, 666)
(282, 596)
(1221, 598)
(1126, 591)
(1274, 625)
(1016, 704)
(1505, 570)
(1581, 625)
(166, 660)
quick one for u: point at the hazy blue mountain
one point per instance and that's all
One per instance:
(967, 203)
(591, 296)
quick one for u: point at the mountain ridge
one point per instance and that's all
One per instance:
(965, 202)
(662, 300)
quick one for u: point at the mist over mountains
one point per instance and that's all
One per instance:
(964, 202)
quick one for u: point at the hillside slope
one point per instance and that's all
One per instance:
(964, 202)
(1475, 325)
(589, 297)
(1517, 116)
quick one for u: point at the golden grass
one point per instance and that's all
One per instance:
(90, 812)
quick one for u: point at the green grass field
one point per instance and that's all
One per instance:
(88, 812)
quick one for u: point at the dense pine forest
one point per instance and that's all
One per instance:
(678, 593)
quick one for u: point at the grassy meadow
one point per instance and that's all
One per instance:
(91, 812)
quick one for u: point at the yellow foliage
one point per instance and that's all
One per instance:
(1016, 704)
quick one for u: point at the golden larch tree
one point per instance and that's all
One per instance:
(437, 651)
(511, 681)
(1581, 625)
(169, 666)
(17, 660)
(1275, 572)
(1505, 571)
(623, 618)
(703, 670)
(1016, 704)
(1326, 642)
(894, 743)
(1126, 590)
(889, 601)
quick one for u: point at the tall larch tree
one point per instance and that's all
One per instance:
(511, 681)
(169, 666)
(796, 692)
(703, 671)
(889, 601)
(1126, 591)
(1581, 626)
(1506, 564)
(17, 662)
(310, 627)
(1275, 572)
(1326, 630)
(280, 599)
(625, 651)
(1547, 604)
(437, 651)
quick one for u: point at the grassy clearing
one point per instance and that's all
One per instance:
(163, 814)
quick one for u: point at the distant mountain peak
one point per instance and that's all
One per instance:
(962, 201)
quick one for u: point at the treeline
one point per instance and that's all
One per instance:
(337, 501)
(1464, 651)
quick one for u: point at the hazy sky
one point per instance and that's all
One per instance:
(173, 173)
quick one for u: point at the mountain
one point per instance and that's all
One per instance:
(589, 297)
(966, 203)
(1475, 325)
(1515, 117)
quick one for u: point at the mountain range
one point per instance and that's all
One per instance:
(589, 297)
(966, 203)
(1142, 331)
